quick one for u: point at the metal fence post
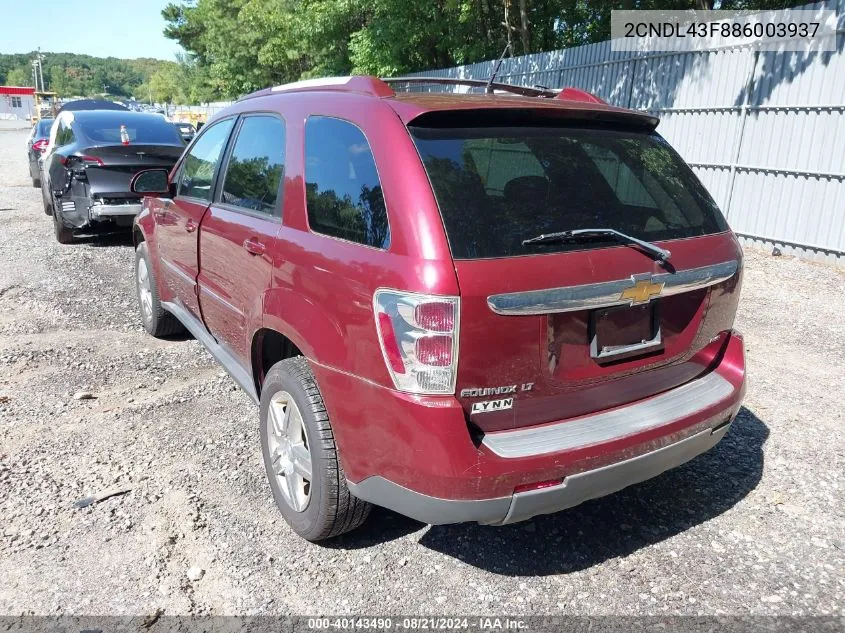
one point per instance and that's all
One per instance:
(743, 116)
(631, 88)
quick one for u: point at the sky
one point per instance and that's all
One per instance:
(104, 28)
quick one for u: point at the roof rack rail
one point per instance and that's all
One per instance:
(354, 83)
(480, 83)
(376, 87)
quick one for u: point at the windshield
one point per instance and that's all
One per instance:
(148, 130)
(498, 186)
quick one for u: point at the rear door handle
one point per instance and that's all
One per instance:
(254, 247)
(190, 226)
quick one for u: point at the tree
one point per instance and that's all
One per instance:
(18, 77)
(71, 75)
(236, 46)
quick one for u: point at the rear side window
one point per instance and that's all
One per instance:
(141, 129)
(497, 186)
(64, 135)
(343, 190)
(197, 175)
(257, 166)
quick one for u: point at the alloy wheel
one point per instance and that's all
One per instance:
(289, 452)
(145, 293)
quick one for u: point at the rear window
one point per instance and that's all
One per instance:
(497, 186)
(44, 126)
(142, 130)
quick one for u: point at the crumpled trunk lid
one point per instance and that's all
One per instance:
(121, 162)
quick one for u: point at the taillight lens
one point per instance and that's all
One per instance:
(40, 145)
(436, 317)
(434, 350)
(91, 161)
(419, 340)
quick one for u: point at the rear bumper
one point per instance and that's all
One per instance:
(520, 506)
(104, 211)
(415, 455)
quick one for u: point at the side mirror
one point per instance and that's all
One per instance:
(150, 181)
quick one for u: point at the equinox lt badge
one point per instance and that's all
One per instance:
(492, 405)
(476, 392)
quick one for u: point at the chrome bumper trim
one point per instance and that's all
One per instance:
(107, 210)
(609, 293)
(611, 425)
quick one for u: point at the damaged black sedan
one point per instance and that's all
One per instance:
(91, 157)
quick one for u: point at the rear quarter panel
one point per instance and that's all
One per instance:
(321, 296)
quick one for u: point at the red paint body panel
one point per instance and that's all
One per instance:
(551, 351)
(177, 231)
(423, 443)
(318, 292)
(232, 280)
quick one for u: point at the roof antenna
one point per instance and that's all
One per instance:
(489, 88)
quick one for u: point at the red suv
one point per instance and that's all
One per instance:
(462, 307)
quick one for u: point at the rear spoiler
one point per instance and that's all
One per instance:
(510, 116)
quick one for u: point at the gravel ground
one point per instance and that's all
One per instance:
(753, 527)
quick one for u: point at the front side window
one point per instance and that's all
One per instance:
(497, 186)
(197, 176)
(343, 191)
(257, 166)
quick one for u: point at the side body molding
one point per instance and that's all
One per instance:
(609, 293)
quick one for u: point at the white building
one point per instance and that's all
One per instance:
(17, 102)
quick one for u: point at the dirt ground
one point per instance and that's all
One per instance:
(756, 526)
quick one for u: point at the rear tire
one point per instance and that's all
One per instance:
(291, 403)
(156, 320)
(64, 235)
(36, 182)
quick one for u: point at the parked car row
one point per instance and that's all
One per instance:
(91, 159)
(36, 146)
(459, 307)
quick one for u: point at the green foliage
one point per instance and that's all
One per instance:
(243, 45)
(236, 46)
(18, 77)
(73, 75)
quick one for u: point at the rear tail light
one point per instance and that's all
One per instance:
(91, 161)
(73, 161)
(40, 145)
(419, 340)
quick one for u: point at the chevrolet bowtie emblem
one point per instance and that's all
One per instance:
(642, 291)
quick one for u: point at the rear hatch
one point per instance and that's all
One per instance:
(559, 329)
(109, 168)
(120, 144)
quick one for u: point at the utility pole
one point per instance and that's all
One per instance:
(38, 71)
(41, 68)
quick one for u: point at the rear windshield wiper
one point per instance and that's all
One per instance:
(561, 236)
